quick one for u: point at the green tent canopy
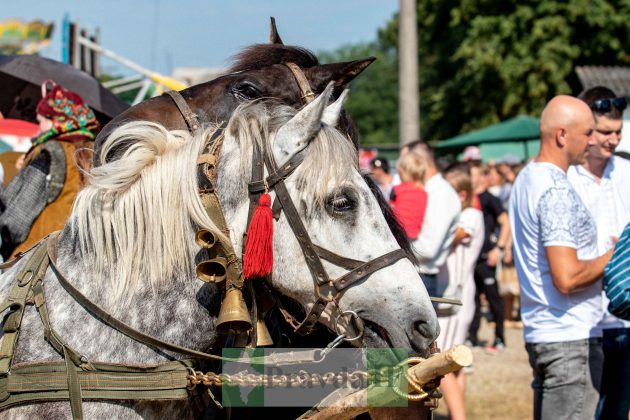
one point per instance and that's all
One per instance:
(518, 136)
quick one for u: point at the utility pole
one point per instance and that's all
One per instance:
(408, 102)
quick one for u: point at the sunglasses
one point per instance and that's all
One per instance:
(605, 105)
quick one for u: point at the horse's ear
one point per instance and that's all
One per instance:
(297, 133)
(340, 73)
(274, 38)
(333, 111)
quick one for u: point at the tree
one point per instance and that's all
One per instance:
(482, 61)
(373, 99)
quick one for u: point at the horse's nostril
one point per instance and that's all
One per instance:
(426, 330)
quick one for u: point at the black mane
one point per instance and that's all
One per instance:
(263, 55)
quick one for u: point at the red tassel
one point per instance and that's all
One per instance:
(258, 258)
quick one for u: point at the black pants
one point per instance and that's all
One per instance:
(486, 283)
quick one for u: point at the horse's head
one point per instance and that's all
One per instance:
(332, 245)
(262, 72)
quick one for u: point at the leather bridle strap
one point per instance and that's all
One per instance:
(338, 260)
(359, 270)
(190, 117)
(108, 319)
(300, 78)
(276, 176)
(366, 269)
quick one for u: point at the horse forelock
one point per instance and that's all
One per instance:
(264, 55)
(329, 159)
(135, 220)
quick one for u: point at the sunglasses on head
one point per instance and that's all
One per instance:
(605, 105)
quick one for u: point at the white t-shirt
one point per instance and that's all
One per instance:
(439, 225)
(546, 211)
(609, 203)
(456, 278)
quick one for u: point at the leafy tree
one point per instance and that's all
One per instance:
(482, 61)
(373, 99)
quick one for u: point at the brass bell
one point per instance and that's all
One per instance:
(205, 239)
(263, 338)
(212, 271)
(233, 316)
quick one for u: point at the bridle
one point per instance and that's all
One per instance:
(327, 290)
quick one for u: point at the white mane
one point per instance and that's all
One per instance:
(135, 219)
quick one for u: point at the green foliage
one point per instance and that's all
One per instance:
(373, 99)
(482, 61)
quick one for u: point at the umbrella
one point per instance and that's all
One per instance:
(21, 77)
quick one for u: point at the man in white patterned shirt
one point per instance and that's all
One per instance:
(602, 182)
(555, 252)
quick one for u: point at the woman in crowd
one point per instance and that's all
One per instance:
(456, 278)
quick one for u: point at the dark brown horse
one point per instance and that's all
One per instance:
(259, 72)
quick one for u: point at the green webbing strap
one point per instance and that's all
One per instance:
(51, 335)
(74, 388)
(48, 381)
(17, 302)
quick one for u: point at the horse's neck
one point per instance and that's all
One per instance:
(182, 311)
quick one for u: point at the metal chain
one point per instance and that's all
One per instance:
(303, 378)
(295, 380)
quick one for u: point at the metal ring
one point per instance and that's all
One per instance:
(24, 281)
(352, 315)
(329, 298)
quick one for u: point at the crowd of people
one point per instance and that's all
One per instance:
(531, 242)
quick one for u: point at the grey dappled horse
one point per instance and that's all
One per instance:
(129, 246)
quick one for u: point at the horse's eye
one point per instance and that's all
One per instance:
(246, 91)
(340, 204)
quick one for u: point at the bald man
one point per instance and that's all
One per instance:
(555, 252)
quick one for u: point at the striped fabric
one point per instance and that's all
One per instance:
(617, 277)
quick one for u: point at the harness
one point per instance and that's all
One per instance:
(77, 379)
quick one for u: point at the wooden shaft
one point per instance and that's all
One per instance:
(356, 403)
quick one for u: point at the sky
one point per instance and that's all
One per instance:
(163, 34)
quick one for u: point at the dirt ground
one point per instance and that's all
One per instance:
(499, 385)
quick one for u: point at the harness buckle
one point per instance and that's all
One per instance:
(330, 292)
(356, 318)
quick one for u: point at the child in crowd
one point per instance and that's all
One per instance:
(409, 199)
(456, 278)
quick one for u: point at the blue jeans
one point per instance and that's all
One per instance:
(567, 378)
(614, 397)
(431, 284)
